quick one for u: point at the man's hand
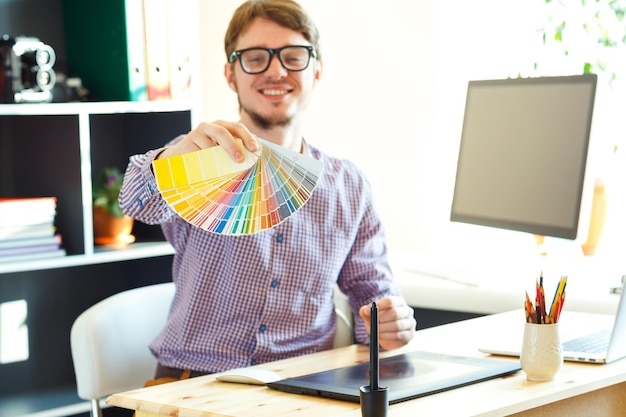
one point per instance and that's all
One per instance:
(396, 324)
(220, 133)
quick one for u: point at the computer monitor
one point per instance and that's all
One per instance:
(523, 154)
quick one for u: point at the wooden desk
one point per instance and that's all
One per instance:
(578, 390)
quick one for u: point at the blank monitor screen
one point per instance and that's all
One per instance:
(523, 154)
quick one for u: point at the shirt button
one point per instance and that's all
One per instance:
(262, 328)
(279, 238)
(274, 283)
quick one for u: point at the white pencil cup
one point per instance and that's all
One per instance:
(542, 354)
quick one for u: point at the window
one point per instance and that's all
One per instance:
(13, 331)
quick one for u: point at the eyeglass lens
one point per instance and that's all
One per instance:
(292, 58)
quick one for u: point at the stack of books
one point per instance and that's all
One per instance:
(27, 229)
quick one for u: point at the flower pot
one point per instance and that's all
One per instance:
(542, 353)
(109, 230)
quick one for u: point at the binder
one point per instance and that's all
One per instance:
(180, 34)
(156, 49)
(104, 47)
(136, 51)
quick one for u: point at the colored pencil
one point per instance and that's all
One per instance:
(538, 313)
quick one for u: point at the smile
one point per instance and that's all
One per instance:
(274, 92)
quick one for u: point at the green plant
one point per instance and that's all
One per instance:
(590, 34)
(106, 191)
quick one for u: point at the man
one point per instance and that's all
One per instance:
(242, 300)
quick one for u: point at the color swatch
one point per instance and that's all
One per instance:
(211, 191)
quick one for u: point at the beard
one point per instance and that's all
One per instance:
(266, 122)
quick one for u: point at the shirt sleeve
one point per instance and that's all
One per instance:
(140, 197)
(366, 275)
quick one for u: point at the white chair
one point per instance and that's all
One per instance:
(344, 334)
(109, 342)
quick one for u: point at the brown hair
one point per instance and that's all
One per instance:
(287, 13)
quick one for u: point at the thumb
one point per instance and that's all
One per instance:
(364, 313)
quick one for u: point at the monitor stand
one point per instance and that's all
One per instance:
(540, 241)
(597, 217)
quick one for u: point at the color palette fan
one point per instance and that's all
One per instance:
(211, 191)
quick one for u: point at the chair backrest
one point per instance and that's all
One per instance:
(109, 340)
(344, 334)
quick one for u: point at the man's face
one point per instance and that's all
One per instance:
(274, 97)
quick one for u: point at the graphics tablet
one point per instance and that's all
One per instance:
(409, 375)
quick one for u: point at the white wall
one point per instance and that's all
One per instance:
(392, 96)
(374, 104)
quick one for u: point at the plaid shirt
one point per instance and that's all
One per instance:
(242, 300)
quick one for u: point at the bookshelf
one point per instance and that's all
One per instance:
(57, 150)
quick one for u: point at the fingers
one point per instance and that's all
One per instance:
(222, 133)
(396, 334)
(225, 134)
(390, 309)
(396, 324)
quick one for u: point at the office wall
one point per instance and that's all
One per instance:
(373, 103)
(392, 94)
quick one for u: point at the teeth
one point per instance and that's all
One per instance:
(274, 92)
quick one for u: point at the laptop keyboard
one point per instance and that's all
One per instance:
(592, 343)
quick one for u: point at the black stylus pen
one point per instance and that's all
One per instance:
(374, 347)
(374, 398)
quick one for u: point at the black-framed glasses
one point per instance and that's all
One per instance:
(257, 60)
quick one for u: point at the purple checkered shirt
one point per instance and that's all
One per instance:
(243, 300)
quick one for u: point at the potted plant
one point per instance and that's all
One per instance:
(111, 226)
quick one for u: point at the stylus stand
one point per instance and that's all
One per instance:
(374, 403)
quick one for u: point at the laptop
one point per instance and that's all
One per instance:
(408, 375)
(597, 344)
